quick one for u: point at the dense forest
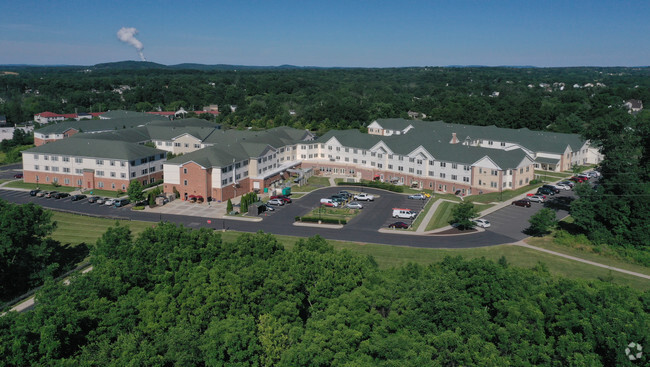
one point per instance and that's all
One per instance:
(556, 99)
(174, 296)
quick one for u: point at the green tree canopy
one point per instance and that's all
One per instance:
(462, 215)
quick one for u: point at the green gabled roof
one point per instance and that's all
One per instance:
(186, 122)
(132, 135)
(87, 126)
(166, 132)
(395, 123)
(96, 148)
(547, 160)
(351, 138)
(116, 114)
(213, 156)
(538, 141)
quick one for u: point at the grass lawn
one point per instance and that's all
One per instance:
(313, 183)
(443, 214)
(501, 196)
(394, 256)
(75, 229)
(423, 213)
(333, 213)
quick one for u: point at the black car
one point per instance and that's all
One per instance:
(545, 191)
(401, 225)
(34, 192)
(93, 199)
(552, 188)
(77, 197)
(61, 195)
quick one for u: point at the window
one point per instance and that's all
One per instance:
(400, 168)
(99, 162)
(100, 184)
(122, 164)
(168, 143)
(112, 174)
(35, 157)
(527, 168)
(46, 157)
(503, 144)
(55, 158)
(177, 144)
(419, 161)
(112, 163)
(418, 172)
(443, 164)
(465, 179)
(123, 187)
(197, 146)
(411, 170)
(99, 173)
(390, 166)
(490, 142)
(122, 175)
(112, 185)
(187, 145)
(144, 171)
(55, 169)
(185, 170)
(431, 173)
(454, 177)
(493, 184)
(79, 182)
(66, 170)
(442, 175)
(431, 163)
(47, 168)
(495, 172)
(411, 160)
(65, 159)
(132, 174)
(78, 171)
(185, 182)
(78, 160)
(36, 167)
(454, 165)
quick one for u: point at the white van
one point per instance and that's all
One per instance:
(329, 202)
(403, 213)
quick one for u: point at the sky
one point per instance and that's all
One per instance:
(329, 33)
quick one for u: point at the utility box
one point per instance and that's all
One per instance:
(256, 208)
(286, 191)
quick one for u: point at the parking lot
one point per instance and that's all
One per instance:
(67, 204)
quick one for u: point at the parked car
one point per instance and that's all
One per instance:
(329, 202)
(269, 207)
(426, 194)
(18, 175)
(578, 179)
(109, 202)
(399, 225)
(536, 198)
(61, 195)
(50, 194)
(404, 213)
(93, 199)
(41, 194)
(523, 202)
(34, 192)
(101, 201)
(337, 198)
(571, 184)
(286, 199)
(545, 191)
(77, 197)
(121, 202)
(552, 187)
(481, 223)
(278, 202)
(593, 174)
(345, 194)
(364, 197)
(562, 186)
(417, 197)
(354, 205)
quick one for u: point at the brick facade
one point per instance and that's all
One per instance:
(88, 181)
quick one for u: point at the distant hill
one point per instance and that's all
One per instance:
(129, 65)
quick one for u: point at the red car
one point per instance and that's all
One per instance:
(286, 199)
(401, 225)
(18, 175)
(523, 202)
(578, 179)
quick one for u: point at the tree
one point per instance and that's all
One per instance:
(26, 251)
(542, 222)
(135, 191)
(229, 206)
(463, 214)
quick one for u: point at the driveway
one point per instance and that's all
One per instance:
(507, 226)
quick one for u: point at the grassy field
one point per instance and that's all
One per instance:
(442, 215)
(423, 213)
(313, 183)
(333, 213)
(500, 196)
(75, 229)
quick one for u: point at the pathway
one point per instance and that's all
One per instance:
(524, 244)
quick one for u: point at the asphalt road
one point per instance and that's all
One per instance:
(507, 223)
(8, 171)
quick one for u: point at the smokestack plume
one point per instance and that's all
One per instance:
(127, 35)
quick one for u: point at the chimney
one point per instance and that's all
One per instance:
(454, 139)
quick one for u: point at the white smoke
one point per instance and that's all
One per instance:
(127, 34)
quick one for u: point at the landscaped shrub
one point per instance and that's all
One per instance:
(375, 184)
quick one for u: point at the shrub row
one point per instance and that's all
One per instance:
(322, 220)
(375, 184)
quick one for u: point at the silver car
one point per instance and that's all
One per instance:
(536, 198)
(354, 205)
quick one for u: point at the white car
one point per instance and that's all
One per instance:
(481, 223)
(278, 202)
(562, 186)
(364, 197)
(109, 202)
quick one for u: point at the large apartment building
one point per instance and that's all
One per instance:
(222, 164)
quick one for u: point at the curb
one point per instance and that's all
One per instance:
(331, 226)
